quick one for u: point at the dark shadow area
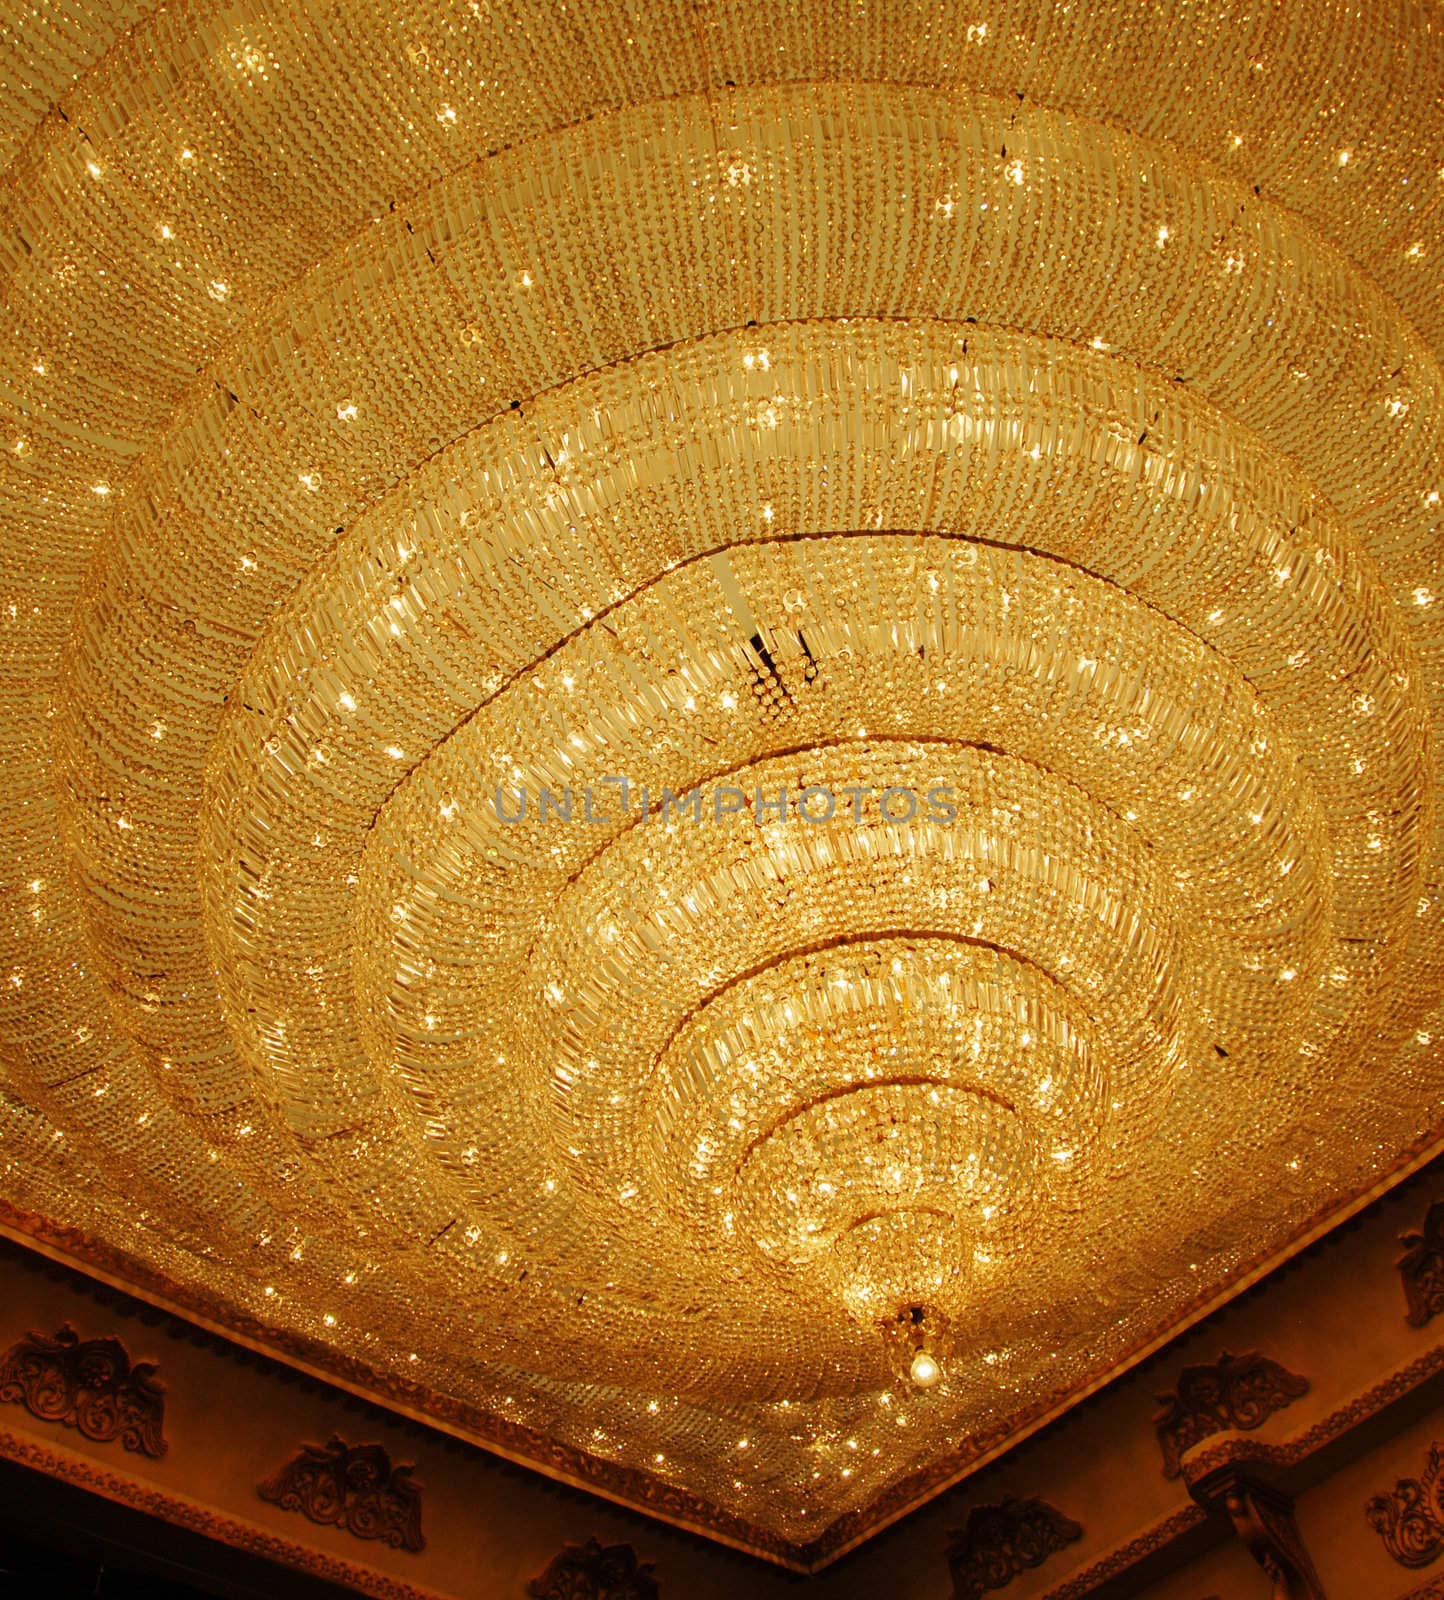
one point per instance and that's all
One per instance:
(58, 1542)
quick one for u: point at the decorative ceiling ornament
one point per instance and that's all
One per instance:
(999, 1542)
(355, 1487)
(90, 1385)
(1240, 1392)
(1263, 1518)
(593, 1571)
(1422, 1267)
(1410, 1517)
(660, 417)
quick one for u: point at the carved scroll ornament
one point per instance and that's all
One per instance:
(592, 1571)
(353, 1487)
(1410, 1517)
(1422, 1268)
(89, 1385)
(998, 1542)
(1235, 1392)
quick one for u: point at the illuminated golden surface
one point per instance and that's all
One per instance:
(1041, 406)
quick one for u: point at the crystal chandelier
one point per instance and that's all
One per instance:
(719, 760)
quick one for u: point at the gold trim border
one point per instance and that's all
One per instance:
(85, 1474)
(640, 1491)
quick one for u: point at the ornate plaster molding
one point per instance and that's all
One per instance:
(1267, 1457)
(1263, 1518)
(183, 1513)
(593, 1571)
(101, 1266)
(355, 1487)
(1422, 1267)
(1000, 1541)
(1125, 1557)
(75, 1250)
(1300, 1447)
(1234, 1392)
(1409, 1518)
(90, 1385)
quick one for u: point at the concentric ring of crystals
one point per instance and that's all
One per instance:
(171, 226)
(161, 871)
(319, 755)
(920, 1012)
(734, 897)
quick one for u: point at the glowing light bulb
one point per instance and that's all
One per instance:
(924, 1371)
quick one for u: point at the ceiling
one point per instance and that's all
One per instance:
(409, 409)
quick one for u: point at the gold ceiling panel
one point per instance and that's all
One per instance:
(1033, 417)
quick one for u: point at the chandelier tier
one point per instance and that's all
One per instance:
(1035, 418)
